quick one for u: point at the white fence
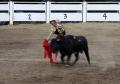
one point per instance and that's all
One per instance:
(4, 11)
(103, 11)
(64, 11)
(29, 11)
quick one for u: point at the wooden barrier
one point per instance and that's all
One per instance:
(63, 11)
(4, 11)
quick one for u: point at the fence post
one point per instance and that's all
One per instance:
(119, 11)
(84, 11)
(11, 12)
(48, 12)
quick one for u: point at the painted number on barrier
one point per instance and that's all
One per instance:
(29, 16)
(105, 16)
(65, 16)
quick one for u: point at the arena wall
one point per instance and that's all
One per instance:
(63, 11)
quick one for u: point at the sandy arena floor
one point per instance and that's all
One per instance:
(21, 55)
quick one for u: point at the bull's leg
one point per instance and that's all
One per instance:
(87, 55)
(68, 59)
(77, 58)
(62, 58)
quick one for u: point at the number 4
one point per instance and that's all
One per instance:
(29, 16)
(105, 16)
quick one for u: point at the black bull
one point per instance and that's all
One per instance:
(71, 45)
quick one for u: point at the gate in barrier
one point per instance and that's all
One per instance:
(103, 11)
(64, 11)
(27, 11)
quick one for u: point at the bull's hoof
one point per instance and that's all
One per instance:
(62, 62)
(57, 63)
(69, 65)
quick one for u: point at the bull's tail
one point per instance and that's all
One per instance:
(86, 51)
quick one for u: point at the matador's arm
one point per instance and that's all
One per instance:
(51, 33)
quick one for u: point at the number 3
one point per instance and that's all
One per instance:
(65, 16)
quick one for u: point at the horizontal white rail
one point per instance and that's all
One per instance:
(103, 5)
(29, 6)
(65, 6)
(4, 6)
